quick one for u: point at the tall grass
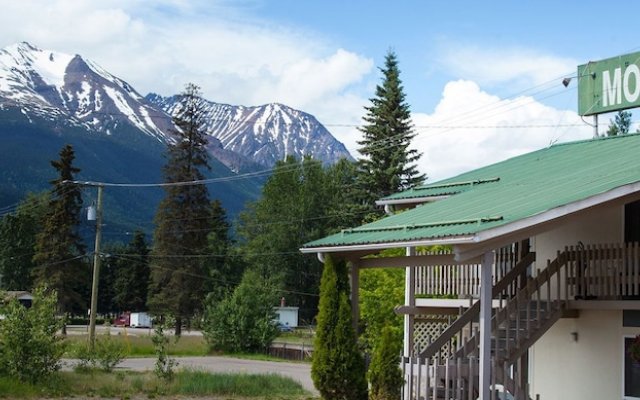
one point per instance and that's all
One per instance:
(123, 384)
(194, 382)
(141, 346)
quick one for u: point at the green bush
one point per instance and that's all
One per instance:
(164, 367)
(242, 322)
(384, 374)
(30, 347)
(109, 352)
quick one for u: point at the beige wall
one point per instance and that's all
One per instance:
(603, 225)
(591, 367)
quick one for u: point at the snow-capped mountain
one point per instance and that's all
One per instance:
(56, 85)
(264, 134)
(72, 91)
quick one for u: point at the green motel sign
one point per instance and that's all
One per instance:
(609, 85)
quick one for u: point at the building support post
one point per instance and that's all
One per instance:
(355, 296)
(485, 325)
(409, 300)
(96, 272)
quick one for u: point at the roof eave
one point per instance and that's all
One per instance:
(468, 239)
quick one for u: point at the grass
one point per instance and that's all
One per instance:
(141, 346)
(123, 384)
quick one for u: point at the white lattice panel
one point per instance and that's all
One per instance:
(425, 331)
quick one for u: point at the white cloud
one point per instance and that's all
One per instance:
(235, 57)
(471, 128)
(488, 66)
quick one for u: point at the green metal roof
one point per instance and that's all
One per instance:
(504, 192)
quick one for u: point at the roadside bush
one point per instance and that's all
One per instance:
(107, 353)
(164, 368)
(243, 321)
(30, 346)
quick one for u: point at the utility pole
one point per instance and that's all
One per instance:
(96, 271)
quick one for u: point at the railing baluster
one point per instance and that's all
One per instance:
(471, 378)
(558, 294)
(459, 385)
(538, 305)
(436, 365)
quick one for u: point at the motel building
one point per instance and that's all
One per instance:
(539, 296)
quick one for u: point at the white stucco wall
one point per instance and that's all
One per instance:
(591, 367)
(602, 225)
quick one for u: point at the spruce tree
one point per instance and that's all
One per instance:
(388, 165)
(59, 248)
(183, 219)
(132, 275)
(338, 369)
(225, 270)
(620, 125)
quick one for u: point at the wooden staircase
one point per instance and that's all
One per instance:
(517, 323)
(524, 308)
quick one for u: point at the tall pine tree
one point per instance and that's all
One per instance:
(59, 249)
(183, 219)
(388, 164)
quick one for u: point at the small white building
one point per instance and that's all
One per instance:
(540, 292)
(288, 316)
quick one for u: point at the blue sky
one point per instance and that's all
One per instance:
(482, 78)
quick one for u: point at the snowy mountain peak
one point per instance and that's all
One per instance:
(264, 134)
(67, 90)
(46, 82)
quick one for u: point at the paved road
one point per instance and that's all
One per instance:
(298, 371)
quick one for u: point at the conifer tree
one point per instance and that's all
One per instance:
(59, 248)
(388, 164)
(225, 270)
(338, 369)
(18, 234)
(620, 125)
(131, 275)
(183, 219)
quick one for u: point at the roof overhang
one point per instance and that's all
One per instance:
(470, 246)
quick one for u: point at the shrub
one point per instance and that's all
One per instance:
(244, 320)
(384, 374)
(30, 347)
(164, 368)
(109, 352)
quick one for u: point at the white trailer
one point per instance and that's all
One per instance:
(140, 320)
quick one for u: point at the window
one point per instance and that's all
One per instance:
(632, 222)
(631, 384)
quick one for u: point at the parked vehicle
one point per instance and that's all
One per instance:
(140, 320)
(123, 320)
(134, 320)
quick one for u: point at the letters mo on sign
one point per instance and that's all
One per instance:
(609, 85)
